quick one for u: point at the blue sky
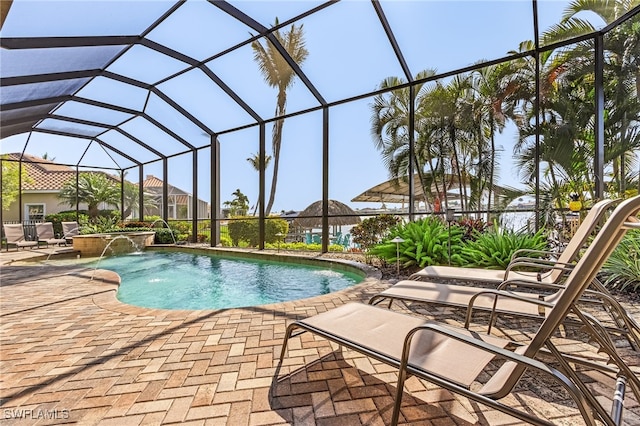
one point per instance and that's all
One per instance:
(348, 55)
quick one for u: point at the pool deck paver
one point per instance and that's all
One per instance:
(70, 352)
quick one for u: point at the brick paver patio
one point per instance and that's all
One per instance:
(70, 352)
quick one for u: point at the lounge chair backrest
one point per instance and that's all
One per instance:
(14, 232)
(45, 231)
(586, 228)
(69, 229)
(578, 280)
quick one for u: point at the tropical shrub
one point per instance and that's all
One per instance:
(621, 271)
(493, 249)
(136, 224)
(164, 236)
(426, 242)
(58, 218)
(373, 230)
(244, 231)
(225, 241)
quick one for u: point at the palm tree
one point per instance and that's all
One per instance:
(390, 129)
(255, 162)
(278, 74)
(496, 88)
(446, 109)
(92, 189)
(131, 197)
(622, 75)
(239, 205)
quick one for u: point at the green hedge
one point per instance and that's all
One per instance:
(244, 231)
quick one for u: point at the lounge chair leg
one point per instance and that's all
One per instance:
(287, 336)
(402, 375)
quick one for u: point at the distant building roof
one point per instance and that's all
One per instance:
(46, 175)
(155, 184)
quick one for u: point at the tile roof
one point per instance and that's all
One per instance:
(155, 185)
(45, 175)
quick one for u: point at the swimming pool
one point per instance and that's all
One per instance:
(178, 280)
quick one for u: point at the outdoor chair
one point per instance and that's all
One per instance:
(45, 234)
(455, 358)
(519, 302)
(568, 255)
(69, 229)
(14, 234)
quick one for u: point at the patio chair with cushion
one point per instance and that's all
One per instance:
(14, 235)
(45, 234)
(568, 255)
(455, 358)
(69, 229)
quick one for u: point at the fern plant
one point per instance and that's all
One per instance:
(426, 242)
(494, 249)
(622, 269)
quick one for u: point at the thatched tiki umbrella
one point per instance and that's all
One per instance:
(339, 214)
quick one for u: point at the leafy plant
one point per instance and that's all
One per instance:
(622, 269)
(225, 241)
(373, 230)
(494, 249)
(426, 242)
(244, 231)
(472, 227)
(99, 224)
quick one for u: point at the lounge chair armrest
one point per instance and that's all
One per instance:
(497, 294)
(538, 261)
(522, 360)
(524, 251)
(521, 283)
(540, 267)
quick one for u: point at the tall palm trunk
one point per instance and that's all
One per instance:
(277, 143)
(491, 165)
(458, 172)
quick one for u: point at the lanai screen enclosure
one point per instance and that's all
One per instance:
(293, 102)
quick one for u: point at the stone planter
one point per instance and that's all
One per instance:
(118, 242)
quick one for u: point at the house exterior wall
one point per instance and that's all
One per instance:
(52, 204)
(50, 201)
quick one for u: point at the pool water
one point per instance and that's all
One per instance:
(176, 280)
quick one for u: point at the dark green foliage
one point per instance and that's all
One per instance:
(136, 224)
(163, 235)
(493, 249)
(273, 227)
(246, 230)
(373, 230)
(104, 220)
(426, 242)
(622, 269)
(67, 216)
